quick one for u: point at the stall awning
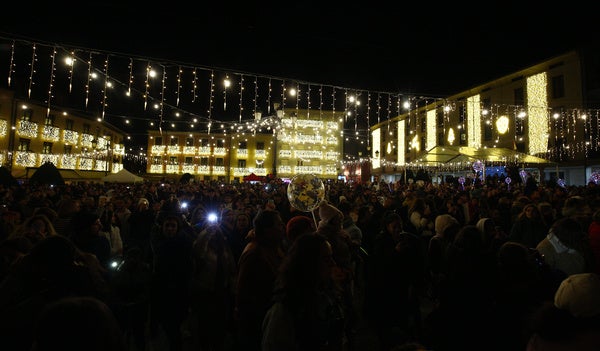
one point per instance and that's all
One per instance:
(447, 154)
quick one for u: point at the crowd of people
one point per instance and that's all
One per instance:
(213, 266)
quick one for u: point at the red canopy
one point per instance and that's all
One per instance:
(252, 178)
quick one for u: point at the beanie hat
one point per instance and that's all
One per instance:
(442, 222)
(579, 294)
(298, 225)
(329, 213)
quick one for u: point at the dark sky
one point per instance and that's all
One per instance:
(413, 48)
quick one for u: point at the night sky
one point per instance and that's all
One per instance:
(408, 49)
(413, 48)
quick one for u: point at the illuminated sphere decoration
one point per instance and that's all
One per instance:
(523, 174)
(507, 180)
(478, 166)
(305, 192)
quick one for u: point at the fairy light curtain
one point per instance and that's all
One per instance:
(185, 97)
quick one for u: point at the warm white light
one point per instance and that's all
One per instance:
(406, 104)
(152, 73)
(351, 98)
(227, 83)
(502, 124)
(69, 60)
(292, 92)
(451, 136)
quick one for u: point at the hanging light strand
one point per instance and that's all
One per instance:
(106, 83)
(179, 71)
(51, 80)
(89, 79)
(11, 65)
(32, 70)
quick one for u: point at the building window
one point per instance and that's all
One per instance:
(24, 144)
(86, 128)
(174, 141)
(49, 121)
(69, 124)
(519, 95)
(26, 115)
(173, 160)
(243, 145)
(189, 141)
(47, 148)
(440, 139)
(68, 149)
(219, 162)
(205, 143)
(158, 141)
(189, 160)
(156, 160)
(204, 161)
(260, 145)
(220, 142)
(558, 87)
(439, 117)
(241, 163)
(487, 131)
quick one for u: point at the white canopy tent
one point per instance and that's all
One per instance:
(122, 176)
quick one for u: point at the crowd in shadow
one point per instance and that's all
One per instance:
(212, 266)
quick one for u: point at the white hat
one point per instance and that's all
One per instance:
(579, 294)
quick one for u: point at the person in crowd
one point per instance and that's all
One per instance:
(171, 278)
(88, 236)
(572, 321)
(492, 237)
(345, 254)
(466, 295)
(349, 224)
(141, 221)
(419, 215)
(446, 227)
(396, 278)
(213, 288)
(521, 287)
(566, 247)
(296, 226)
(112, 232)
(68, 208)
(257, 271)
(307, 313)
(528, 228)
(594, 238)
(578, 207)
(53, 269)
(78, 323)
(34, 229)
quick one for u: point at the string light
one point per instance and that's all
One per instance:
(147, 86)
(11, 65)
(104, 98)
(241, 96)
(89, 79)
(51, 80)
(32, 70)
(130, 81)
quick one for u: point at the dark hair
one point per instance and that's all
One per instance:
(78, 323)
(264, 220)
(299, 272)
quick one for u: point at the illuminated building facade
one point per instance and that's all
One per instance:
(544, 111)
(290, 143)
(32, 134)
